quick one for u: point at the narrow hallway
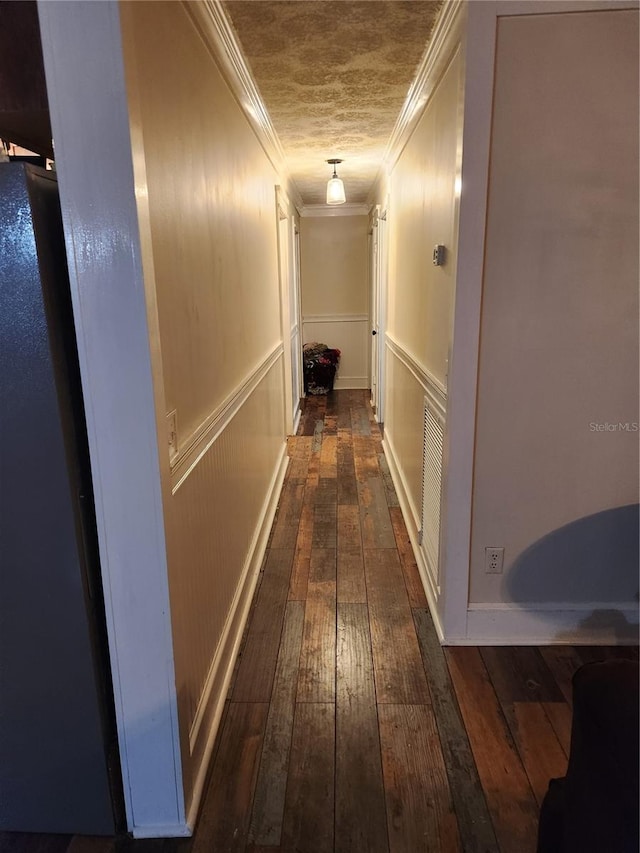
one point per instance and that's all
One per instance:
(330, 740)
(347, 726)
(263, 669)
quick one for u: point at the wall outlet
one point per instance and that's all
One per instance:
(172, 434)
(493, 560)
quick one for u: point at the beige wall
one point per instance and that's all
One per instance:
(559, 335)
(333, 261)
(422, 212)
(208, 222)
(211, 196)
(335, 291)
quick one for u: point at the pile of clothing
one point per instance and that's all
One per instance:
(320, 364)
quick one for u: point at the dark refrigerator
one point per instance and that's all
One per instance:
(58, 756)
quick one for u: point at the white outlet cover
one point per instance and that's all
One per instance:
(493, 561)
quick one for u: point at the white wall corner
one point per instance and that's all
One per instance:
(562, 623)
(90, 121)
(477, 35)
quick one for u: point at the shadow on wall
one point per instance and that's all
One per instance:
(592, 560)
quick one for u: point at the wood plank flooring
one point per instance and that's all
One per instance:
(347, 727)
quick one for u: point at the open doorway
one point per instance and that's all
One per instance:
(289, 273)
(378, 274)
(335, 288)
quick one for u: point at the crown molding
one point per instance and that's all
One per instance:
(447, 35)
(349, 209)
(213, 25)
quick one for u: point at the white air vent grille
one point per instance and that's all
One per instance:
(432, 447)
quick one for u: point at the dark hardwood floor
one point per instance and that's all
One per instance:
(347, 727)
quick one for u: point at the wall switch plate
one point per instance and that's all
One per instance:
(172, 434)
(493, 561)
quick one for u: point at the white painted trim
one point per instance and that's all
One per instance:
(161, 830)
(553, 624)
(478, 53)
(427, 380)
(383, 298)
(90, 120)
(335, 318)
(286, 281)
(348, 209)
(411, 518)
(552, 606)
(344, 383)
(446, 35)
(190, 454)
(297, 336)
(434, 393)
(410, 511)
(218, 34)
(282, 202)
(296, 420)
(212, 700)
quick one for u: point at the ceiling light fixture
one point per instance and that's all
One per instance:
(335, 187)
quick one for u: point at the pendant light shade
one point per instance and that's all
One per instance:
(335, 187)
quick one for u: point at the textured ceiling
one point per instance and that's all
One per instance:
(333, 75)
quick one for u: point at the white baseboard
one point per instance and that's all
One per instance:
(550, 624)
(217, 684)
(296, 420)
(344, 383)
(526, 624)
(172, 830)
(411, 520)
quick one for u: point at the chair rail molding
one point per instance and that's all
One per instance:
(199, 442)
(429, 382)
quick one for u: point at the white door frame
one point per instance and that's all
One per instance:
(479, 37)
(374, 343)
(118, 349)
(289, 307)
(296, 322)
(378, 255)
(382, 270)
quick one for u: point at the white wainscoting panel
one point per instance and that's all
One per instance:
(350, 334)
(404, 442)
(221, 511)
(432, 447)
